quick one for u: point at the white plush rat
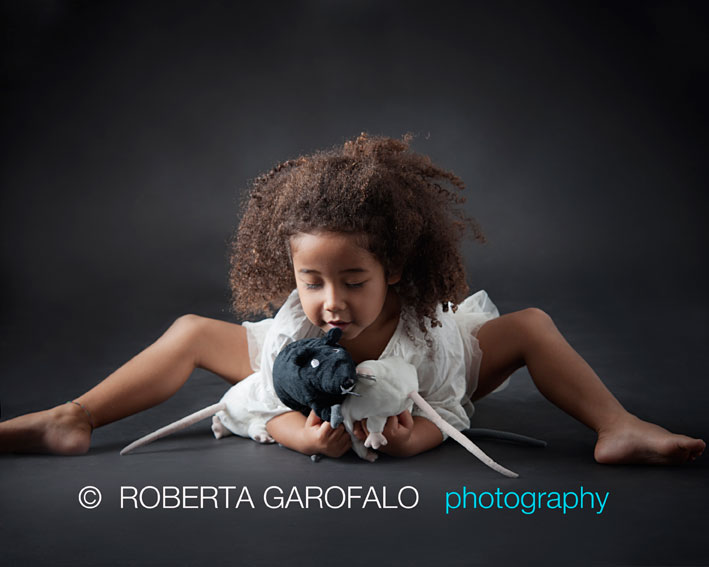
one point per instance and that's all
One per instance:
(393, 390)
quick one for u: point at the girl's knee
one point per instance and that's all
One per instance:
(534, 318)
(208, 343)
(532, 325)
(187, 323)
(186, 329)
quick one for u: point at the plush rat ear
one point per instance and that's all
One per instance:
(333, 335)
(365, 370)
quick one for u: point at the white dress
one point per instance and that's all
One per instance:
(447, 368)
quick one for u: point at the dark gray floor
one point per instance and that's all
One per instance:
(652, 516)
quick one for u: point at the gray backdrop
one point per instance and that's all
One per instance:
(131, 129)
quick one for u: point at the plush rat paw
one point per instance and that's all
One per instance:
(263, 437)
(375, 440)
(218, 428)
(259, 433)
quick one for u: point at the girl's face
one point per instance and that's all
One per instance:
(340, 284)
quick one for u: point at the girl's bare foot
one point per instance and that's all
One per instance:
(63, 430)
(630, 440)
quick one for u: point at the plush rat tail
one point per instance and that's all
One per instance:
(176, 426)
(482, 433)
(458, 436)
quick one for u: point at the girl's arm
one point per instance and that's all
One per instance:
(310, 435)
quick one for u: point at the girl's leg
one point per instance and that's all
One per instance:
(530, 338)
(143, 382)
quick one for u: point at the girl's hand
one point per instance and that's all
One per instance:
(397, 430)
(310, 435)
(320, 438)
(406, 435)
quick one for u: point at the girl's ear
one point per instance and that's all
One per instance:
(394, 278)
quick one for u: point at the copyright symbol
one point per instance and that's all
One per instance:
(89, 497)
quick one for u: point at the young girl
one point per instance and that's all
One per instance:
(368, 236)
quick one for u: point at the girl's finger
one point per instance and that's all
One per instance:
(405, 419)
(345, 443)
(312, 419)
(392, 423)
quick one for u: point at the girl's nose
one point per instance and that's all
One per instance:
(334, 301)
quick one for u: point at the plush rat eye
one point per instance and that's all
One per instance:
(315, 363)
(336, 350)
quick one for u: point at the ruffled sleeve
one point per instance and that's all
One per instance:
(251, 403)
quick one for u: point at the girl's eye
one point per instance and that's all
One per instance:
(319, 285)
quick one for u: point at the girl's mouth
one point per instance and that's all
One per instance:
(338, 324)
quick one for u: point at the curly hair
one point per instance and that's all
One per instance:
(405, 208)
